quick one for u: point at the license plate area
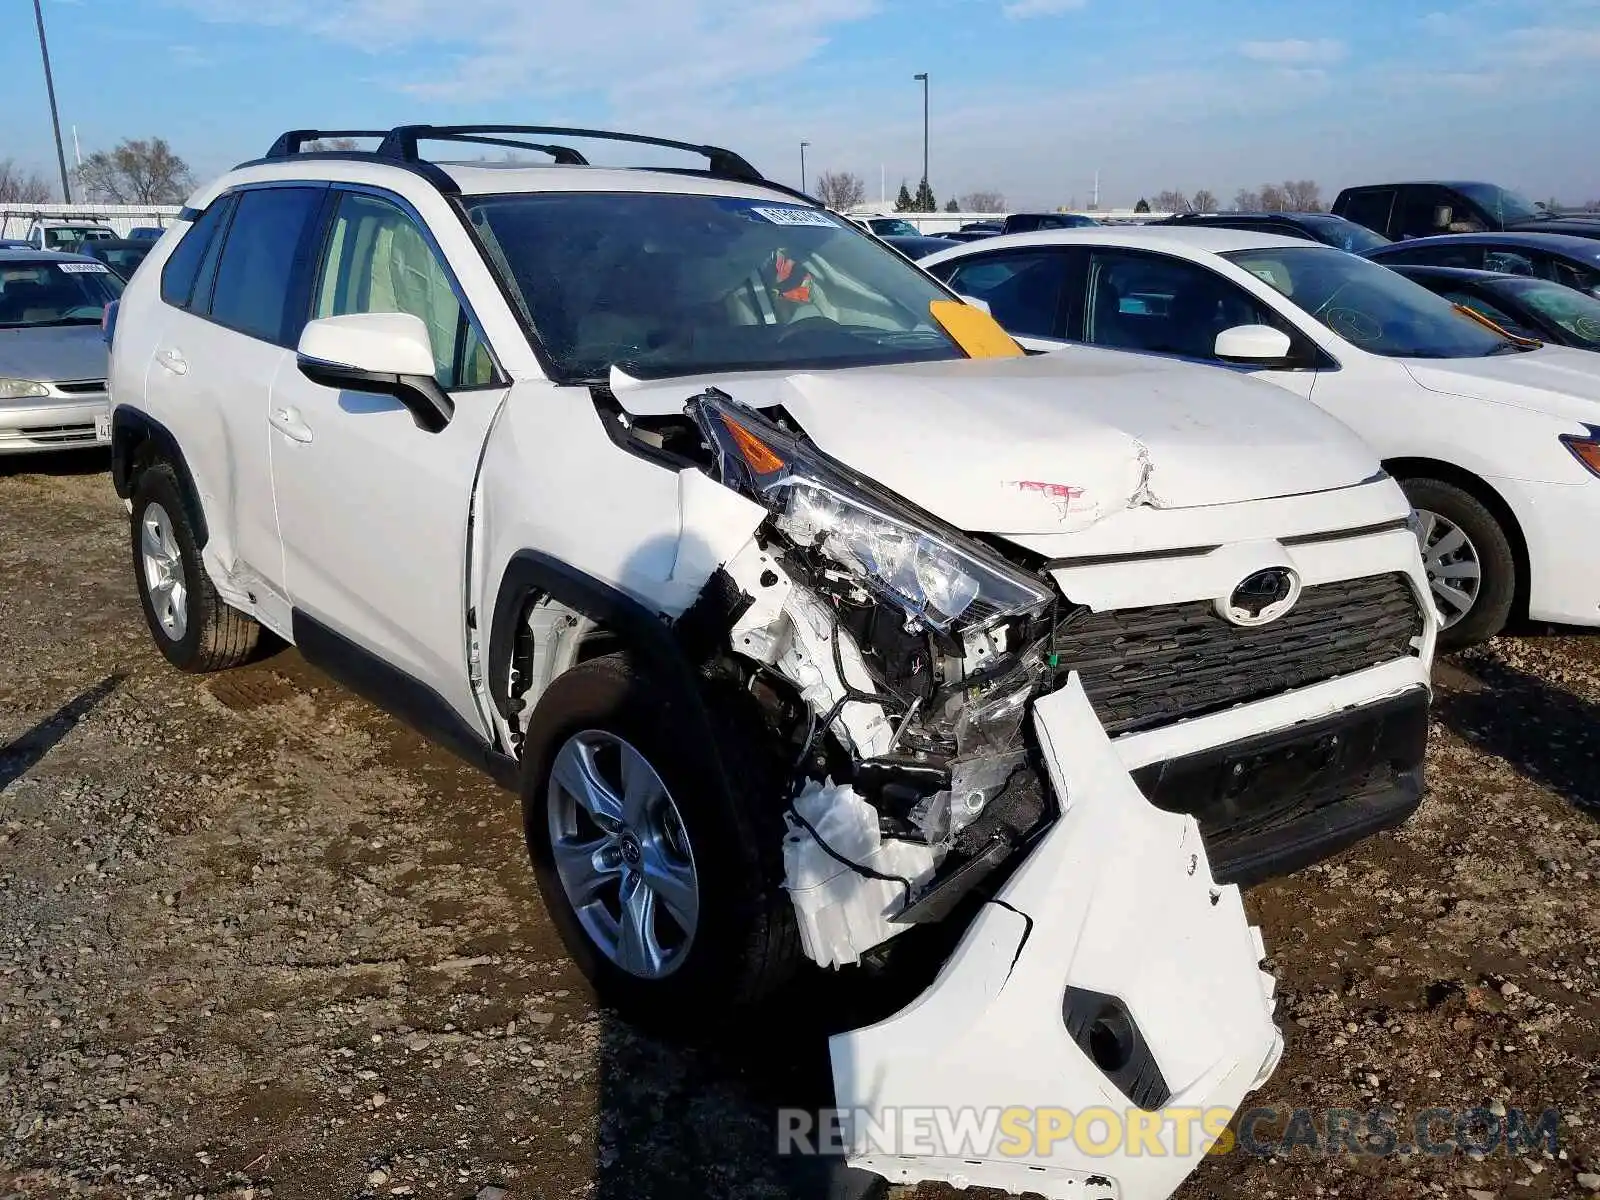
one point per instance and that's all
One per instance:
(1251, 785)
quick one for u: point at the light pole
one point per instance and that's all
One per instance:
(923, 77)
(803, 146)
(55, 119)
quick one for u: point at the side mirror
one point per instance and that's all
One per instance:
(980, 305)
(386, 353)
(1259, 344)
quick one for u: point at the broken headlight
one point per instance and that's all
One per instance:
(937, 577)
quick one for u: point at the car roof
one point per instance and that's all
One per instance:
(1464, 274)
(13, 256)
(1585, 248)
(1458, 184)
(488, 179)
(1177, 239)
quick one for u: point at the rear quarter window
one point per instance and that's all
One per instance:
(183, 264)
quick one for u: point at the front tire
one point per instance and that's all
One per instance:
(664, 885)
(1470, 563)
(192, 626)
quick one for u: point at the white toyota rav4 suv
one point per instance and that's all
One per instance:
(800, 606)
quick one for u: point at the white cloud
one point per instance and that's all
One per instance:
(1295, 52)
(491, 49)
(1021, 9)
(1547, 45)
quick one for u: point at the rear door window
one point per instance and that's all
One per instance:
(268, 244)
(1023, 289)
(1428, 253)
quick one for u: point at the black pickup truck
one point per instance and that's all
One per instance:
(1411, 210)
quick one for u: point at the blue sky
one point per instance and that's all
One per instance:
(1030, 97)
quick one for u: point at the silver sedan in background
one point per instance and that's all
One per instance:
(52, 358)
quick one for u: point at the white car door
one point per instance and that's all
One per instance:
(374, 509)
(223, 339)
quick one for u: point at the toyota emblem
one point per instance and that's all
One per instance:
(1261, 598)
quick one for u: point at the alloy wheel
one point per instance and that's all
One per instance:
(622, 854)
(163, 572)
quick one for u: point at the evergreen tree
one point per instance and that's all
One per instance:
(1142, 206)
(924, 201)
(951, 206)
(902, 202)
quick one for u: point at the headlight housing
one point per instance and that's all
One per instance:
(936, 576)
(17, 389)
(1585, 449)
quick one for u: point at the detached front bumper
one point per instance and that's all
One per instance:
(1100, 1020)
(43, 424)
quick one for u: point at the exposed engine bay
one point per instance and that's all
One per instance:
(913, 653)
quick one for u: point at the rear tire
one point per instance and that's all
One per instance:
(741, 945)
(1459, 533)
(192, 626)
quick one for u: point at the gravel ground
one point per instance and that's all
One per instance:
(256, 939)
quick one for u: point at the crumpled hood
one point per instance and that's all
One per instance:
(1556, 380)
(1052, 443)
(53, 353)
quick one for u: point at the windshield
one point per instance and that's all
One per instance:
(55, 293)
(894, 227)
(663, 285)
(1370, 306)
(1346, 235)
(1575, 311)
(1502, 204)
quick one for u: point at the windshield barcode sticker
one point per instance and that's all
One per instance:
(83, 268)
(794, 216)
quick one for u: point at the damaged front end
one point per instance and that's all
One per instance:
(944, 753)
(915, 653)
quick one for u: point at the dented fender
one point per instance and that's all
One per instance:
(1115, 904)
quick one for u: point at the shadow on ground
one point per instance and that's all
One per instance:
(60, 463)
(1549, 735)
(22, 754)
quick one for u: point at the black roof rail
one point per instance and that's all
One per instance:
(398, 147)
(401, 143)
(293, 142)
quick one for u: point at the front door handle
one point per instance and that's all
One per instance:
(288, 422)
(173, 361)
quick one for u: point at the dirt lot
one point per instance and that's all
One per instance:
(256, 939)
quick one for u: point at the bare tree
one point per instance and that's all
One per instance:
(840, 190)
(1205, 201)
(1245, 200)
(1170, 201)
(22, 187)
(136, 172)
(1302, 195)
(316, 144)
(1273, 198)
(983, 202)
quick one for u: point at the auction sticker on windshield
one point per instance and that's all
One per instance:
(82, 268)
(794, 216)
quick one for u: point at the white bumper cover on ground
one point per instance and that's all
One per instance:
(1116, 899)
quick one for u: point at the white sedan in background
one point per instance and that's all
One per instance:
(1495, 440)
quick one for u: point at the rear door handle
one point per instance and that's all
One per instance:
(173, 361)
(288, 422)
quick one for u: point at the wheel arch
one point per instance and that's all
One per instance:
(1404, 468)
(138, 439)
(621, 623)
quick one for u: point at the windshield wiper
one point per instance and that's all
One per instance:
(1510, 348)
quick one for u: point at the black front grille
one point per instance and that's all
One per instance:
(1144, 667)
